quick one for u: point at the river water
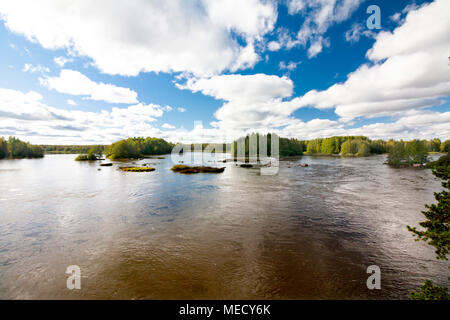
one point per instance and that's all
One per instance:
(305, 233)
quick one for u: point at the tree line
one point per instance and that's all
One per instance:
(72, 149)
(347, 146)
(14, 148)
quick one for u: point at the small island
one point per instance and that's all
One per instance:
(180, 168)
(137, 169)
(93, 154)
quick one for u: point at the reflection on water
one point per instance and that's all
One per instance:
(304, 233)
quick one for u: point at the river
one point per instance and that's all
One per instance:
(305, 233)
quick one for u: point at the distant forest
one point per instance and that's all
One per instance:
(344, 145)
(13, 148)
(71, 149)
(401, 152)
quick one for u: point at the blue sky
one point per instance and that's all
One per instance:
(96, 73)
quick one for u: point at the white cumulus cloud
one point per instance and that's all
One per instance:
(75, 83)
(408, 70)
(125, 38)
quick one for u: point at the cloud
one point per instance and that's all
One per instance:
(75, 83)
(33, 69)
(408, 70)
(356, 31)
(142, 36)
(35, 121)
(285, 39)
(317, 46)
(61, 61)
(242, 88)
(167, 126)
(295, 6)
(288, 66)
(25, 116)
(71, 102)
(179, 109)
(396, 17)
(319, 15)
(251, 102)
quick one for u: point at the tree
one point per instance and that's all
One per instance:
(363, 149)
(314, 146)
(404, 154)
(16, 148)
(397, 155)
(445, 146)
(436, 230)
(434, 145)
(3, 148)
(330, 146)
(416, 151)
(133, 148)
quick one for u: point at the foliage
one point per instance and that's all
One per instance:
(408, 153)
(3, 148)
(93, 154)
(207, 147)
(345, 145)
(436, 229)
(134, 148)
(72, 149)
(443, 161)
(15, 148)
(433, 145)
(429, 291)
(137, 169)
(188, 169)
(445, 146)
(314, 146)
(287, 147)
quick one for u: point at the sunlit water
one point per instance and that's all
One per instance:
(304, 233)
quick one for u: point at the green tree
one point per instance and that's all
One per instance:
(19, 149)
(330, 146)
(363, 149)
(417, 151)
(3, 148)
(397, 156)
(445, 146)
(314, 146)
(434, 145)
(133, 148)
(436, 230)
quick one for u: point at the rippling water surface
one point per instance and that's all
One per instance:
(304, 233)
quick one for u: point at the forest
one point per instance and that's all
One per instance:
(359, 146)
(13, 148)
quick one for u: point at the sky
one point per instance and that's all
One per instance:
(95, 72)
